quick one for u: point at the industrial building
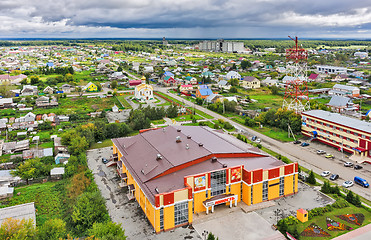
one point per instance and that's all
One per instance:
(331, 69)
(178, 171)
(222, 46)
(351, 135)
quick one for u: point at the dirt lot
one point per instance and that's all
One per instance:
(129, 214)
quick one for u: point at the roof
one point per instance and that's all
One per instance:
(249, 79)
(168, 74)
(344, 87)
(205, 91)
(339, 101)
(313, 76)
(177, 158)
(340, 119)
(57, 171)
(22, 211)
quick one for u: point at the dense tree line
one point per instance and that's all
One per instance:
(279, 118)
(57, 70)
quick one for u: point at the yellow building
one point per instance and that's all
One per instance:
(91, 87)
(175, 172)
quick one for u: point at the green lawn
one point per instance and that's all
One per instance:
(124, 102)
(184, 118)
(203, 114)
(321, 221)
(105, 143)
(47, 145)
(47, 198)
(158, 122)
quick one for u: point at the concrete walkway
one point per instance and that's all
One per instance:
(363, 233)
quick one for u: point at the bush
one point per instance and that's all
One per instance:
(311, 179)
(340, 203)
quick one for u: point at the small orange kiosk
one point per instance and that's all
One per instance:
(302, 215)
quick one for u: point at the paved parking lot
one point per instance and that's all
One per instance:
(306, 198)
(128, 213)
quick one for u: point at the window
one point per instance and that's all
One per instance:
(229, 188)
(207, 193)
(355, 134)
(363, 136)
(161, 218)
(180, 213)
(218, 181)
(282, 185)
(340, 129)
(348, 131)
(348, 139)
(265, 190)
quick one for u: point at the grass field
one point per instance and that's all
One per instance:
(105, 143)
(184, 118)
(46, 197)
(124, 102)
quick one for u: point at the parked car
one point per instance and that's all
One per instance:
(321, 152)
(356, 167)
(348, 164)
(361, 182)
(304, 144)
(347, 184)
(258, 140)
(325, 173)
(253, 138)
(104, 160)
(334, 177)
(296, 142)
(330, 156)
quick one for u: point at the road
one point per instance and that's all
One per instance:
(306, 157)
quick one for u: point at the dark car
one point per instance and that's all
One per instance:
(104, 160)
(296, 142)
(356, 167)
(253, 138)
(304, 144)
(334, 177)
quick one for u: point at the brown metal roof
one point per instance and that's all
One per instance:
(141, 156)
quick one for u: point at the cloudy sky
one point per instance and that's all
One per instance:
(185, 18)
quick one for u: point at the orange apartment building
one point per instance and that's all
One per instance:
(175, 172)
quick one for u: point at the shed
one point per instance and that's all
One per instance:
(22, 211)
(57, 173)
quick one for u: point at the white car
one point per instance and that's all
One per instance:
(320, 152)
(347, 184)
(325, 173)
(348, 164)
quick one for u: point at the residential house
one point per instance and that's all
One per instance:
(169, 81)
(341, 104)
(314, 77)
(340, 78)
(57, 173)
(203, 92)
(223, 84)
(91, 87)
(270, 82)
(232, 75)
(29, 90)
(185, 88)
(250, 82)
(66, 88)
(48, 90)
(331, 69)
(345, 91)
(191, 80)
(213, 98)
(6, 102)
(45, 102)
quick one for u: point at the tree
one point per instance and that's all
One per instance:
(34, 80)
(350, 197)
(357, 201)
(78, 145)
(233, 90)
(90, 208)
(31, 168)
(172, 111)
(15, 229)
(119, 69)
(311, 179)
(107, 231)
(274, 89)
(52, 229)
(245, 64)
(114, 84)
(138, 120)
(326, 188)
(234, 82)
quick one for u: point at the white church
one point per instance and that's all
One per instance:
(143, 92)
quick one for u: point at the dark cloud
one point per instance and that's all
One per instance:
(174, 17)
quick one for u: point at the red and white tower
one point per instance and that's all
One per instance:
(296, 92)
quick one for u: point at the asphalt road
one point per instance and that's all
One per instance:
(305, 156)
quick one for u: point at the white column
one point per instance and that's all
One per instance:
(207, 210)
(235, 203)
(230, 203)
(212, 208)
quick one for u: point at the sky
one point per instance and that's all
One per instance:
(185, 18)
